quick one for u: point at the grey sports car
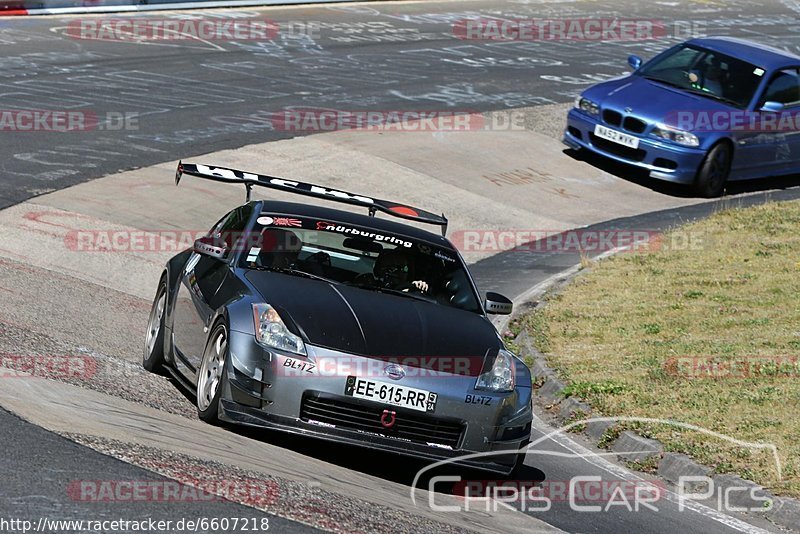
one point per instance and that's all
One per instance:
(339, 326)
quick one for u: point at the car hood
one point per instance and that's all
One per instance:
(650, 100)
(379, 325)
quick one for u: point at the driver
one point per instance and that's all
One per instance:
(713, 77)
(280, 248)
(392, 269)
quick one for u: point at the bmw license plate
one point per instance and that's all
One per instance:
(405, 397)
(615, 136)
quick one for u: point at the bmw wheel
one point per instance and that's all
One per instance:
(713, 173)
(211, 376)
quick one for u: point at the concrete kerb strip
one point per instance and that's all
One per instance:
(633, 447)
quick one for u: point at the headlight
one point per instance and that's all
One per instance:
(500, 377)
(272, 333)
(587, 106)
(678, 136)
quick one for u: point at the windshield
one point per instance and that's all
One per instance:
(345, 254)
(706, 73)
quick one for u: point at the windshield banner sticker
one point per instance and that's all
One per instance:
(322, 225)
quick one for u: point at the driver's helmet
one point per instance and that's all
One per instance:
(392, 267)
(279, 248)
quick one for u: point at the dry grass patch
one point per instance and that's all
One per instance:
(669, 334)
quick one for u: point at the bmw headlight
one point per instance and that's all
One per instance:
(272, 332)
(500, 376)
(587, 106)
(678, 136)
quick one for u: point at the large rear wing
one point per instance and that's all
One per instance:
(221, 174)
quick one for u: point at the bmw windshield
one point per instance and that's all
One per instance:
(345, 254)
(706, 73)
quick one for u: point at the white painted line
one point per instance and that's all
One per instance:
(618, 471)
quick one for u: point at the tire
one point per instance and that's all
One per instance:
(153, 359)
(211, 376)
(713, 173)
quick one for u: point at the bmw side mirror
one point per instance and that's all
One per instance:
(772, 106)
(635, 62)
(497, 304)
(209, 246)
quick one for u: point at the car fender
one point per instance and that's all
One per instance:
(712, 138)
(239, 316)
(174, 270)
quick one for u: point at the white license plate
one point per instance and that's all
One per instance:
(384, 392)
(617, 137)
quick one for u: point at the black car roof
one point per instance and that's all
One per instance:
(333, 215)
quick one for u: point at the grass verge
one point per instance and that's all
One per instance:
(704, 329)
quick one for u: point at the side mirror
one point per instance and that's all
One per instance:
(209, 246)
(497, 304)
(635, 62)
(772, 106)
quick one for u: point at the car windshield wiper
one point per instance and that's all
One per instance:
(294, 272)
(694, 91)
(398, 292)
(665, 82)
(700, 92)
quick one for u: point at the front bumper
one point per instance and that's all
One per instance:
(662, 160)
(291, 393)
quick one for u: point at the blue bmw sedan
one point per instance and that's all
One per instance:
(704, 112)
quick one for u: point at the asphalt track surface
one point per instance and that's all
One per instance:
(202, 97)
(57, 466)
(189, 97)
